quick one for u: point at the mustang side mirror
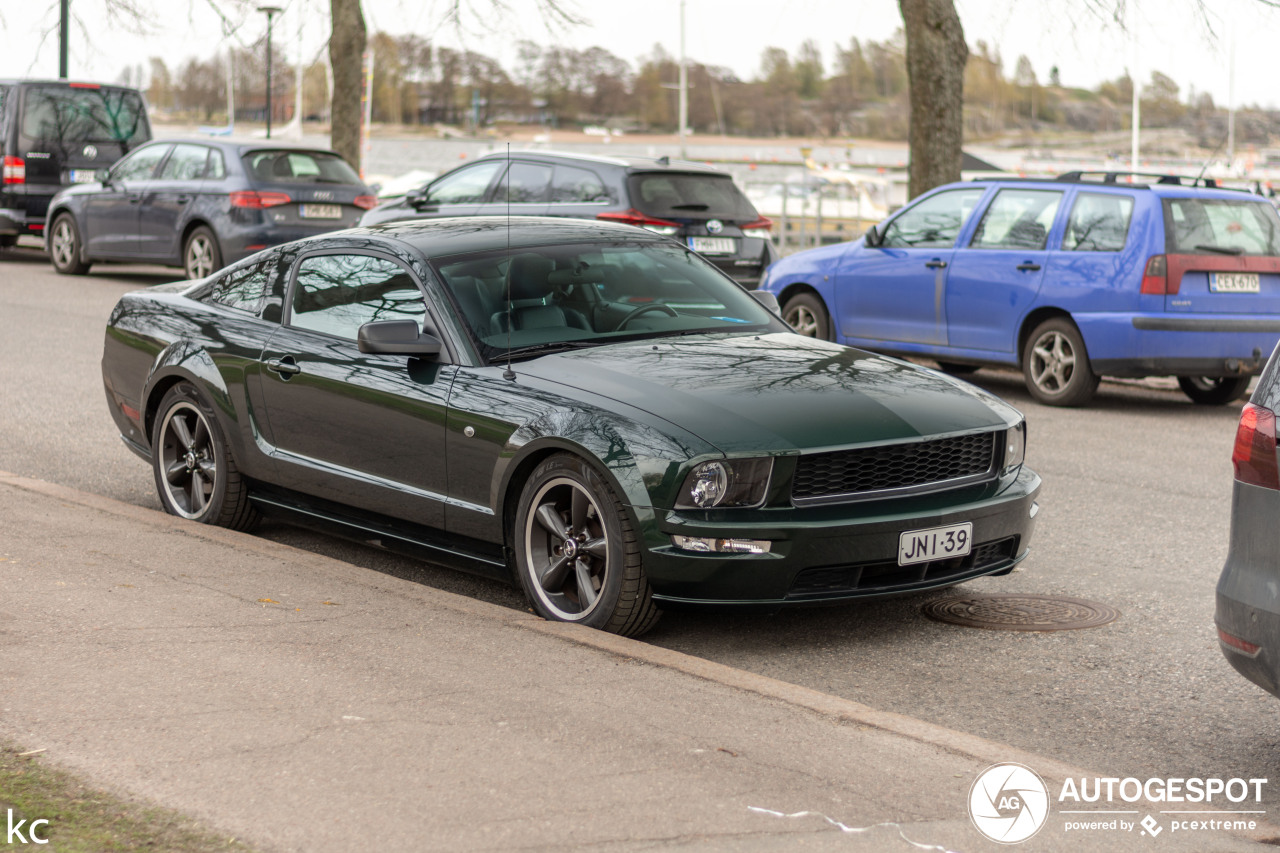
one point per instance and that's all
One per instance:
(396, 337)
(767, 299)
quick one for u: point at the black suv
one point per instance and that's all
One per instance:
(699, 206)
(53, 134)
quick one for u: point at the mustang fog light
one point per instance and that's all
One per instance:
(727, 482)
(705, 545)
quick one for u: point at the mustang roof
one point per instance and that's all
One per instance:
(463, 234)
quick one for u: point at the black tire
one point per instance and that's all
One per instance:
(8, 241)
(201, 253)
(64, 246)
(571, 531)
(956, 369)
(195, 473)
(1214, 391)
(1056, 365)
(806, 314)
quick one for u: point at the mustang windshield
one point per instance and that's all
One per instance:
(594, 293)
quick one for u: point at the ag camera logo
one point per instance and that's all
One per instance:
(1008, 803)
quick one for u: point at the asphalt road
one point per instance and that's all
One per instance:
(1135, 511)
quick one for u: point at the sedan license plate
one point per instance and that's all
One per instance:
(935, 543)
(713, 245)
(1233, 282)
(321, 211)
(83, 176)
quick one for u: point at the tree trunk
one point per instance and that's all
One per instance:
(936, 56)
(346, 55)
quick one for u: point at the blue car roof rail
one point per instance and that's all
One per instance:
(1088, 177)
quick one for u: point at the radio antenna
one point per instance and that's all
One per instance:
(509, 373)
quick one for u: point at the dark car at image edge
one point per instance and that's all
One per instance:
(694, 203)
(55, 133)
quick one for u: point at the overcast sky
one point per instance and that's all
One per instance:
(1173, 36)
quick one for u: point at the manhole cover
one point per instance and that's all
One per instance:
(1021, 612)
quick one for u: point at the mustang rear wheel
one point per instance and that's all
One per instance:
(577, 556)
(64, 246)
(201, 256)
(806, 314)
(194, 471)
(1213, 391)
(1056, 365)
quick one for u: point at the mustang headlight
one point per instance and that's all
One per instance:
(725, 482)
(1015, 446)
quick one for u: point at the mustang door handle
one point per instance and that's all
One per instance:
(284, 366)
(935, 264)
(1028, 267)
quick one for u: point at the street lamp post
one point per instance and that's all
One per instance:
(271, 12)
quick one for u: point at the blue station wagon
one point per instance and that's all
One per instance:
(1069, 279)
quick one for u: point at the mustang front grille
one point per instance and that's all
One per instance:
(885, 470)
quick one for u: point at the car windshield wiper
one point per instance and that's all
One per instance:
(543, 349)
(1221, 250)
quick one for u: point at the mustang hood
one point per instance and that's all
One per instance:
(776, 393)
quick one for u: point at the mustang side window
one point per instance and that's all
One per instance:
(337, 294)
(1099, 223)
(242, 288)
(1018, 219)
(934, 223)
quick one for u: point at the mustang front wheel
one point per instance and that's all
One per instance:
(195, 474)
(577, 556)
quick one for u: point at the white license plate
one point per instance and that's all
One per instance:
(83, 176)
(935, 543)
(1233, 282)
(713, 245)
(321, 211)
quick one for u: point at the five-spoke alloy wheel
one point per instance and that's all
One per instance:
(64, 246)
(194, 472)
(806, 314)
(1056, 365)
(201, 256)
(577, 556)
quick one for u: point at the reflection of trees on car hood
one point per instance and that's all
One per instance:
(776, 392)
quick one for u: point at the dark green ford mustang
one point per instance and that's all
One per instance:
(588, 409)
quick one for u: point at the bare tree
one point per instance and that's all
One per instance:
(346, 55)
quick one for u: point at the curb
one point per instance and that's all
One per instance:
(846, 711)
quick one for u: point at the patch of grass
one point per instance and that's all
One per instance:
(82, 819)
